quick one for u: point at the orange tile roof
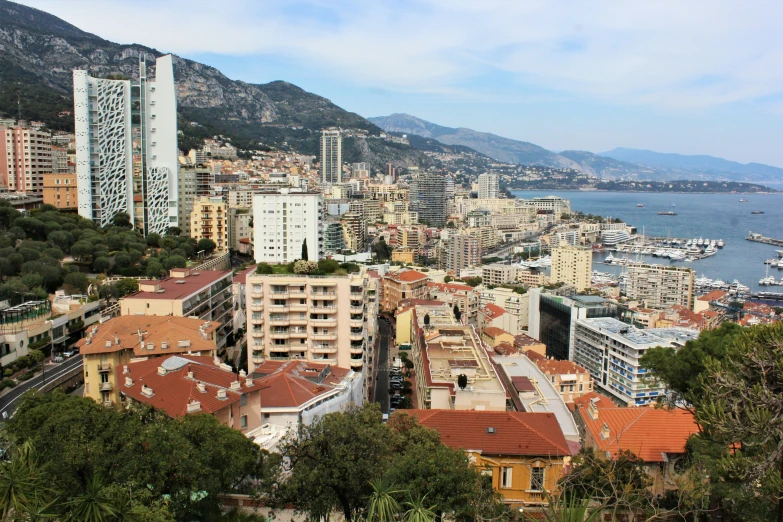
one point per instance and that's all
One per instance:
(555, 367)
(407, 276)
(122, 333)
(493, 331)
(521, 340)
(294, 383)
(505, 349)
(173, 391)
(450, 287)
(647, 432)
(493, 311)
(515, 433)
(712, 296)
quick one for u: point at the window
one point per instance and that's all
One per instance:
(243, 421)
(243, 400)
(505, 478)
(537, 479)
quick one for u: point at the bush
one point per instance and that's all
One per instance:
(27, 376)
(8, 372)
(8, 383)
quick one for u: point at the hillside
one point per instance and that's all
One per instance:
(38, 51)
(700, 163)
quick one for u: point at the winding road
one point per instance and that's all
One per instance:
(8, 402)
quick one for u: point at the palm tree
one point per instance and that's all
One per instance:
(23, 482)
(418, 512)
(382, 506)
(95, 505)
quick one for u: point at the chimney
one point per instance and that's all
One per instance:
(125, 370)
(161, 370)
(150, 346)
(216, 361)
(128, 382)
(236, 385)
(141, 336)
(249, 382)
(116, 340)
(221, 394)
(146, 391)
(194, 406)
(242, 373)
(592, 409)
(164, 345)
(605, 431)
(190, 375)
(202, 387)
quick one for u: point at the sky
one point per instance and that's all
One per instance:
(692, 77)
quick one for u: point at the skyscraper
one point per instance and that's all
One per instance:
(126, 145)
(428, 198)
(488, 186)
(284, 220)
(331, 156)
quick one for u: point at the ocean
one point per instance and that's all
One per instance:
(713, 216)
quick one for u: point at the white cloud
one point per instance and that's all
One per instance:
(665, 53)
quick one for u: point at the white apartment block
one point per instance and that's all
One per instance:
(316, 318)
(660, 286)
(554, 204)
(282, 221)
(515, 304)
(126, 144)
(572, 265)
(241, 198)
(489, 186)
(611, 350)
(498, 274)
(331, 156)
(25, 156)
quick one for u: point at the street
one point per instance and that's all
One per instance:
(382, 377)
(8, 401)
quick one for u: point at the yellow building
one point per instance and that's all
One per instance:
(209, 220)
(493, 336)
(572, 265)
(114, 343)
(60, 190)
(523, 474)
(406, 255)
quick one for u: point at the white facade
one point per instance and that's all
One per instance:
(331, 156)
(108, 144)
(489, 186)
(660, 286)
(281, 223)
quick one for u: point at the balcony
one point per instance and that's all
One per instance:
(324, 322)
(323, 309)
(325, 361)
(299, 321)
(278, 308)
(325, 336)
(356, 323)
(324, 294)
(297, 292)
(298, 307)
(279, 335)
(104, 367)
(278, 293)
(256, 307)
(356, 309)
(257, 294)
(323, 348)
(258, 359)
(257, 320)
(105, 386)
(300, 333)
(280, 348)
(356, 349)
(357, 336)
(279, 322)
(357, 365)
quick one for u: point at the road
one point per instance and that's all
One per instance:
(9, 400)
(382, 377)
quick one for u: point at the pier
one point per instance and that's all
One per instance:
(758, 238)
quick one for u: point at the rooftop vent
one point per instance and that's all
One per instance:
(605, 431)
(236, 385)
(125, 370)
(190, 374)
(194, 406)
(180, 282)
(490, 430)
(146, 391)
(108, 344)
(116, 340)
(161, 370)
(201, 387)
(128, 382)
(221, 394)
(150, 346)
(242, 373)
(249, 382)
(183, 344)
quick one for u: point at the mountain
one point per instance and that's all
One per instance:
(494, 146)
(38, 51)
(698, 163)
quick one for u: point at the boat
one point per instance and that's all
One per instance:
(609, 259)
(710, 251)
(640, 205)
(676, 255)
(700, 242)
(757, 212)
(667, 213)
(720, 243)
(743, 201)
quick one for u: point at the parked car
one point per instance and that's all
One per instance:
(57, 359)
(68, 353)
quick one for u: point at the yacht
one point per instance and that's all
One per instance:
(706, 242)
(700, 242)
(640, 205)
(721, 243)
(710, 251)
(743, 201)
(688, 243)
(692, 251)
(609, 259)
(676, 255)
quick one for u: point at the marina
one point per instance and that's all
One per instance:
(678, 249)
(758, 238)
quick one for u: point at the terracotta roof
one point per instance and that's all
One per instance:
(172, 289)
(712, 296)
(450, 287)
(555, 367)
(241, 277)
(493, 311)
(525, 340)
(293, 383)
(407, 276)
(514, 432)
(505, 349)
(647, 432)
(244, 240)
(493, 331)
(173, 391)
(181, 334)
(534, 356)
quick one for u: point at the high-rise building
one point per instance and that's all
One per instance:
(126, 145)
(572, 265)
(390, 172)
(59, 160)
(463, 251)
(282, 221)
(428, 198)
(209, 220)
(660, 286)
(354, 231)
(331, 156)
(25, 156)
(489, 187)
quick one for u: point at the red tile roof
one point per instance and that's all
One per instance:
(534, 356)
(289, 385)
(521, 340)
(241, 277)
(198, 280)
(407, 276)
(712, 296)
(555, 367)
(505, 349)
(493, 331)
(515, 433)
(493, 311)
(450, 287)
(173, 391)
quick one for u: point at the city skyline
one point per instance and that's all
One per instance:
(667, 77)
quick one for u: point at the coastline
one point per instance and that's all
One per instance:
(512, 189)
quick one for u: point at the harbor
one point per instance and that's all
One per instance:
(758, 238)
(677, 249)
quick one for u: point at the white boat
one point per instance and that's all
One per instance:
(700, 242)
(721, 243)
(718, 284)
(689, 243)
(676, 255)
(710, 251)
(609, 259)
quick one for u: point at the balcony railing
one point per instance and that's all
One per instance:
(104, 367)
(325, 336)
(323, 309)
(105, 386)
(320, 348)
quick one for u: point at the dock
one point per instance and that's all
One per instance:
(758, 238)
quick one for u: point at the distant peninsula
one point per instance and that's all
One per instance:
(717, 187)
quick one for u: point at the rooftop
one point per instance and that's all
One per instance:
(407, 276)
(555, 367)
(493, 311)
(241, 277)
(149, 335)
(628, 334)
(290, 384)
(493, 331)
(450, 287)
(496, 432)
(712, 296)
(178, 287)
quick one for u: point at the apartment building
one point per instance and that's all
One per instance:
(313, 318)
(354, 231)
(126, 146)
(428, 198)
(572, 265)
(283, 221)
(498, 274)
(209, 220)
(239, 220)
(444, 350)
(112, 344)
(660, 286)
(491, 315)
(511, 301)
(59, 159)
(400, 285)
(611, 350)
(531, 277)
(360, 170)
(462, 251)
(463, 296)
(25, 156)
(192, 183)
(489, 186)
(60, 190)
(569, 379)
(331, 156)
(551, 204)
(187, 384)
(205, 294)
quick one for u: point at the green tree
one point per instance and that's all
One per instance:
(207, 245)
(81, 249)
(457, 313)
(122, 219)
(101, 264)
(382, 506)
(77, 282)
(154, 269)
(264, 268)
(173, 231)
(304, 250)
(175, 262)
(96, 504)
(24, 483)
(169, 243)
(448, 279)
(153, 239)
(418, 511)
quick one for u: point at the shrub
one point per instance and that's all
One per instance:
(27, 376)
(8, 372)
(8, 383)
